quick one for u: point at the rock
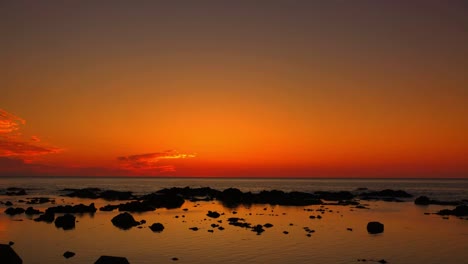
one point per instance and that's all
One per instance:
(8, 203)
(136, 206)
(349, 229)
(175, 259)
(16, 192)
(383, 261)
(194, 228)
(461, 210)
(66, 222)
(91, 193)
(76, 209)
(258, 229)
(39, 200)
(14, 211)
(68, 254)
(335, 196)
(111, 260)
(8, 255)
(163, 200)
(157, 227)
(213, 214)
(46, 217)
(11, 243)
(285, 232)
(124, 221)
(32, 211)
(422, 200)
(109, 208)
(375, 227)
(268, 225)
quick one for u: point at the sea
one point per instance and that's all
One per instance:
(412, 233)
(441, 189)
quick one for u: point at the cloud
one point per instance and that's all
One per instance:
(154, 162)
(11, 143)
(9, 122)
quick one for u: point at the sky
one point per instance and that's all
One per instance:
(234, 88)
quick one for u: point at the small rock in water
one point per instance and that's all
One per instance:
(349, 229)
(383, 261)
(175, 259)
(11, 243)
(68, 254)
(375, 227)
(157, 227)
(285, 232)
(111, 260)
(194, 228)
(66, 222)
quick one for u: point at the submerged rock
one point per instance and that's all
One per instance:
(124, 221)
(66, 222)
(111, 260)
(8, 255)
(69, 209)
(375, 227)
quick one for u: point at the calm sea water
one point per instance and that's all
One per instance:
(443, 189)
(410, 236)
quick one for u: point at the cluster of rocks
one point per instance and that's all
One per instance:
(461, 210)
(95, 193)
(15, 191)
(424, 200)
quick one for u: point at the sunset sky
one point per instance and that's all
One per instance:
(234, 88)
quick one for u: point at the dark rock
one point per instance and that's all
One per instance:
(109, 208)
(46, 217)
(461, 210)
(14, 211)
(375, 227)
(124, 221)
(349, 229)
(383, 261)
(285, 232)
(194, 228)
(8, 255)
(111, 260)
(39, 200)
(175, 259)
(268, 225)
(69, 209)
(11, 243)
(8, 203)
(115, 195)
(422, 200)
(258, 229)
(136, 206)
(213, 214)
(66, 222)
(163, 200)
(157, 227)
(32, 211)
(19, 192)
(68, 254)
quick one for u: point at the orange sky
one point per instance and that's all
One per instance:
(277, 89)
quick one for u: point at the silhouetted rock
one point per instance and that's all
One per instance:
(76, 209)
(14, 211)
(8, 255)
(109, 208)
(157, 227)
(192, 194)
(258, 229)
(213, 214)
(136, 206)
(194, 228)
(91, 193)
(8, 203)
(163, 200)
(68, 254)
(111, 260)
(46, 217)
(375, 227)
(39, 200)
(268, 225)
(124, 221)
(32, 211)
(66, 222)
(13, 191)
(231, 197)
(11, 243)
(424, 200)
(461, 210)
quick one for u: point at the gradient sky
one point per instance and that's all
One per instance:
(234, 88)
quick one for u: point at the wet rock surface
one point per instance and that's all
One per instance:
(124, 221)
(66, 222)
(375, 227)
(8, 255)
(461, 210)
(111, 260)
(157, 227)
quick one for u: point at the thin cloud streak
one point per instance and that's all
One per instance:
(152, 162)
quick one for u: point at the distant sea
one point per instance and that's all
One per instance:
(442, 189)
